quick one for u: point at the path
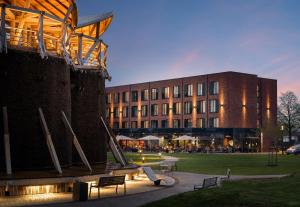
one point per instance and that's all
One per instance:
(185, 183)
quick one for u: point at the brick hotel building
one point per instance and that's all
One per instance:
(227, 108)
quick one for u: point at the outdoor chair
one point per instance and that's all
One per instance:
(151, 175)
(227, 176)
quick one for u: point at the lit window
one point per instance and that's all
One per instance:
(201, 107)
(188, 90)
(214, 122)
(134, 124)
(176, 123)
(125, 124)
(165, 109)
(188, 123)
(165, 93)
(116, 112)
(154, 110)
(177, 108)
(125, 111)
(214, 88)
(154, 94)
(188, 107)
(125, 97)
(145, 95)
(200, 123)
(200, 89)
(176, 92)
(144, 110)
(116, 98)
(108, 98)
(213, 106)
(144, 124)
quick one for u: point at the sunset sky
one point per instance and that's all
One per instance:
(160, 39)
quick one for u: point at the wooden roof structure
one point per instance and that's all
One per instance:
(52, 27)
(57, 8)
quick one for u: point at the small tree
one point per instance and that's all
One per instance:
(289, 112)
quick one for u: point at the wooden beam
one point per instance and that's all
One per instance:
(76, 142)
(6, 142)
(50, 144)
(20, 25)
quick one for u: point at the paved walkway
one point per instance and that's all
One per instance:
(185, 183)
(165, 159)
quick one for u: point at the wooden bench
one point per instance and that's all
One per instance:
(207, 183)
(109, 181)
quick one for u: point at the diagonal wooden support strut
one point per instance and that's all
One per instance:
(49, 142)
(6, 142)
(76, 143)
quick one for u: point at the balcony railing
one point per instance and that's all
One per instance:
(49, 35)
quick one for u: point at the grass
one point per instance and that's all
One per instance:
(137, 158)
(240, 164)
(258, 193)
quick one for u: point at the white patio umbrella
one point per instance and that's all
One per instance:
(149, 138)
(122, 137)
(185, 138)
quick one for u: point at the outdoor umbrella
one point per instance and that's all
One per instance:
(149, 138)
(121, 137)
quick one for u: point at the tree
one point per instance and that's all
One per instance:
(289, 112)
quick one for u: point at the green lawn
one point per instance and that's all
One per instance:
(258, 193)
(240, 164)
(261, 193)
(137, 158)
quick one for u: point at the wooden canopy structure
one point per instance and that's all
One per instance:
(51, 27)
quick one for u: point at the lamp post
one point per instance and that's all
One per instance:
(282, 129)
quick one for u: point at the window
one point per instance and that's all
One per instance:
(154, 94)
(117, 98)
(145, 95)
(164, 124)
(154, 124)
(176, 92)
(125, 124)
(165, 109)
(144, 110)
(108, 113)
(116, 112)
(145, 124)
(201, 107)
(134, 124)
(134, 96)
(165, 93)
(213, 122)
(176, 123)
(154, 110)
(177, 108)
(188, 90)
(125, 97)
(200, 123)
(108, 98)
(125, 111)
(134, 111)
(213, 106)
(116, 125)
(213, 88)
(188, 107)
(188, 123)
(201, 89)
